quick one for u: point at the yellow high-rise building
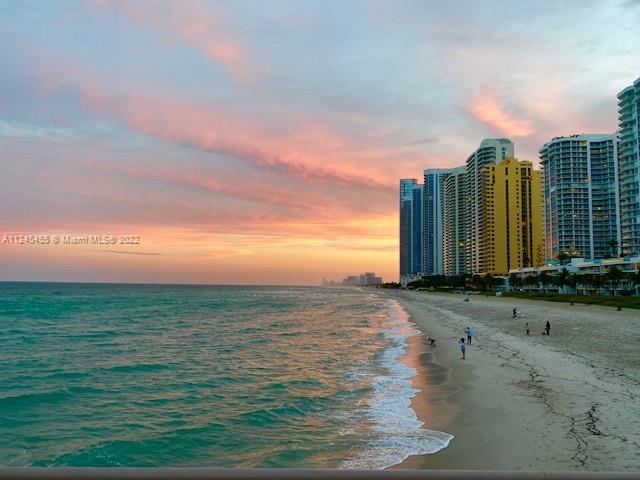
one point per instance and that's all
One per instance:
(512, 217)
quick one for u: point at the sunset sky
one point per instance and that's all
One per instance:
(262, 141)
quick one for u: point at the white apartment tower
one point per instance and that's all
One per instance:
(629, 168)
(581, 196)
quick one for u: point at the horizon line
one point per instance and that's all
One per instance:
(165, 283)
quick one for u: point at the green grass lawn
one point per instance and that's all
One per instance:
(626, 302)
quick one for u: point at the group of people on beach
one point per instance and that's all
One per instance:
(517, 315)
(462, 343)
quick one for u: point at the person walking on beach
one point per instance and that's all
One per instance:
(469, 335)
(547, 327)
(515, 312)
(463, 347)
(527, 328)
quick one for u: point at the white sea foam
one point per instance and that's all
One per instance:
(397, 430)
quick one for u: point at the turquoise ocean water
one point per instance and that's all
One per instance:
(159, 375)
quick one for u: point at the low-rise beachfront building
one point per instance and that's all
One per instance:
(579, 276)
(407, 279)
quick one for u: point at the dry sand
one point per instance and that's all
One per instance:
(565, 402)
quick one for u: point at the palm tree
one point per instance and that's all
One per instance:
(594, 280)
(597, 281)
(613, 247)
(536, 279)
(573, 280)
(489, 281)
(531, 280)
(459, 281)
(496, 281)
(635, 278)
(585, 281)
(613, 276)
(563, 279)
(563, 258)
(515, 281)
(478, 282)
(545, 279)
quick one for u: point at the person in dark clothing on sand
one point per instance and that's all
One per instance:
(527, 328)
(547, 327)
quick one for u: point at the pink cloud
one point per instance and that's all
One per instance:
(201, 25)
(486, 107)
(207, 180)
(308, 152)
(93, 186)
(288, 145)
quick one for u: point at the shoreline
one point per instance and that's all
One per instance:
(532, 403)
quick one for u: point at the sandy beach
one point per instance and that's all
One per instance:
(565, 402)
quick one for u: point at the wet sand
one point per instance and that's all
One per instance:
(566, 402)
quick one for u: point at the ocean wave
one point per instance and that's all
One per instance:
(269, 416)
(24, 399)
(134, 367)
(120, 452)
(302, 384)
(31, 399)
(398, 433)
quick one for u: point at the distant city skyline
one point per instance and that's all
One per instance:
(366, 279)
(496, 215)
(264, 145)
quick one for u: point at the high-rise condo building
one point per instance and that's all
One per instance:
(491, 150)
(454, 206)
(433, 198)
(629, 168)
(410, 227)
(512, 217)
(581, 196)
